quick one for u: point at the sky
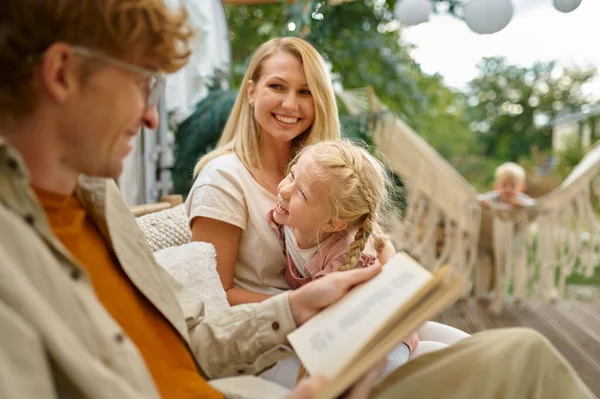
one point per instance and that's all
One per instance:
(537, 31)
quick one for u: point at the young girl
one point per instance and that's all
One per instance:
(328, 207)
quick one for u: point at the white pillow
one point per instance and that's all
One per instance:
(194, 266)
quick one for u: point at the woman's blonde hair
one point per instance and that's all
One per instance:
(359, 190)
(241, 134)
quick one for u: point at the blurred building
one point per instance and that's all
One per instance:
(146, 176)
(580, 129)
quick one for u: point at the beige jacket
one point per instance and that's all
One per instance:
(56, 339)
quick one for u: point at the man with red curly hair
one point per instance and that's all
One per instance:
(85, 311)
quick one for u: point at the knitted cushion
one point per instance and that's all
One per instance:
(194, 266)
(167, 228)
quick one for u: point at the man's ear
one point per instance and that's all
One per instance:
(250, 92)
(335, 225)
(58, 71)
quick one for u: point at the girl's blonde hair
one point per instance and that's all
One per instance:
(241, 134)
(359, 190)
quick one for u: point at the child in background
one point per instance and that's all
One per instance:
(509, 186)
(328, 207)
(496, 230)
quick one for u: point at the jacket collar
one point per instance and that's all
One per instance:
(102, 199)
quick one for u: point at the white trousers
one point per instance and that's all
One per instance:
(435, 336)
(432, 336)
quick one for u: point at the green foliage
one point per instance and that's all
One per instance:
(580, 279)
(199, 134)
(360, 39)
(569, 157)
(506, 109)
(478, 170)
(249, 27)
(362, 42)
(511, 106)
(443, 122)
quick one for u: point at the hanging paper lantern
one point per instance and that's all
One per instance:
(413, 12)
(566, 5)
(488, 16)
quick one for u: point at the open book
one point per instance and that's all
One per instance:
(348, 338)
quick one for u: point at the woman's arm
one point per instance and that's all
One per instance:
(226, 238)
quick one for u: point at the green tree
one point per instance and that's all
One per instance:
(362, 41)
(511, 107)
(443, 122)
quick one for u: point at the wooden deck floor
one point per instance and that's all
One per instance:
(572, 327)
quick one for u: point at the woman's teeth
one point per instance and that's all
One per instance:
(286, 119)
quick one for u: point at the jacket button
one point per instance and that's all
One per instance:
(119, 337)
(29, 219)
(12, 163)
(275, 325)
(75, 274)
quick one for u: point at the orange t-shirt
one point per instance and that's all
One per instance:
(164, 352)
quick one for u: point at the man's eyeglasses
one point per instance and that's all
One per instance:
(155, 80)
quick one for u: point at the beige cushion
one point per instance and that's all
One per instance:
(166, 228)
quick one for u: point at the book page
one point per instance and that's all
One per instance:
(329, 340)
(441, 291)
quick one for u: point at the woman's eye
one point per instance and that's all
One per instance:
(305, 92)
(301, 195)
(291, 175)
(276, 86)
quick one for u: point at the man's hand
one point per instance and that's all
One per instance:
(309, 299)
(308, 387)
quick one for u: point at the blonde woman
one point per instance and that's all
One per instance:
(286, 102)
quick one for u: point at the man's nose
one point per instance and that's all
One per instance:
(150, 117)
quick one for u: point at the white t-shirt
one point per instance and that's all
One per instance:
(226, 191)
(299, 256)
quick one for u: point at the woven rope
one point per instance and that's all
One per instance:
(166, 228)
(558, 236)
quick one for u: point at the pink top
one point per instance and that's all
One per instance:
(330, 258)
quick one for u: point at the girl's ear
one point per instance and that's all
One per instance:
(335, 225)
